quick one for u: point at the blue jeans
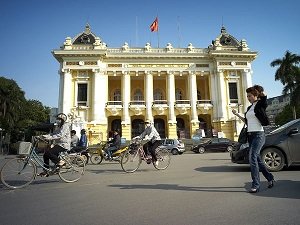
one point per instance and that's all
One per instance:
(111, 149)
(256, 141)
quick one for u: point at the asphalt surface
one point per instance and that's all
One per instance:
(195, 189)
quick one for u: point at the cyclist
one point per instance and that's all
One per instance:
(61, 142)
(152, 135)
(115, 144)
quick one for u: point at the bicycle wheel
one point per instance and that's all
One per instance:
(96, 158)
(131, 161)
(18, 173)
(163, 159)
(73, 170)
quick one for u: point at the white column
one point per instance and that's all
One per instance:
(99, 96)
(171, 96)
(61, 89)
(126, 97)
(214, 95)
(149, 95)
(222, 95)
(66, 92)
(246, 82)
(193, 96)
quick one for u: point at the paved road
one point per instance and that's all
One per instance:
(195, 189)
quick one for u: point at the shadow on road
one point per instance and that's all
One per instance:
(281, 189)
(223, 169)
(177, 187)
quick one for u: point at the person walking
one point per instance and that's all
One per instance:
(255, 118)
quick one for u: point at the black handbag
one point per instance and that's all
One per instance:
(243, 137)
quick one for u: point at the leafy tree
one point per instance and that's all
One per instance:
(17, 114)
(11, 103)
(289, 75)
(286, 115)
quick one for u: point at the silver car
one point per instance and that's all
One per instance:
(175, 146)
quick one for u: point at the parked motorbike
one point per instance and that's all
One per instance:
(83, 153)
(100, 154)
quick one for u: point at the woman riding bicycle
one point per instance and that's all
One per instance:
(62, 140)
(153, 137)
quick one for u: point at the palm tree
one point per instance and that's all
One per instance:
(289, 75)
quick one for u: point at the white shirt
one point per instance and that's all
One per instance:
(253, 123)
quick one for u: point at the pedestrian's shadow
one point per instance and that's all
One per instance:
(281, 189)
(176, 187)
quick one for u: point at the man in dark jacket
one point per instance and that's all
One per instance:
(115, 144)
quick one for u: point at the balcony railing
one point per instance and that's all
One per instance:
(160, 102)
(136, 103)
(203, 102)
(182, 102)
(111, 103)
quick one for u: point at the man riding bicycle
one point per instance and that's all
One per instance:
(152, 135)
(61, 142)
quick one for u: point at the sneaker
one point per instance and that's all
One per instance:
(156, 163)
(61, 163)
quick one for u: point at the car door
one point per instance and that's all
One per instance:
(169, 144)
(294, 143)
(214, 145)
(223, 143)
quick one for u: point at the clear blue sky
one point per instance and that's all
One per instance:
(31, 29)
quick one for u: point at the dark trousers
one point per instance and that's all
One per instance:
(52, 154)
(151, 147)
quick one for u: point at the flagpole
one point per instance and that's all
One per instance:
(158, 38)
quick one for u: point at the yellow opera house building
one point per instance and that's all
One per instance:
(183, 91)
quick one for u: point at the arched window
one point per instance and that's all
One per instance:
(158, 94)
(138, 95)
(117, 95)
(178, 94)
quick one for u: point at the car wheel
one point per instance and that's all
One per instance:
(201, 150)
(174, 151)
(273, 159)
(229, 148)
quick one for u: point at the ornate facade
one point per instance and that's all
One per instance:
(182, 90)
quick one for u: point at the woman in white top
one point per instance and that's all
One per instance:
(256, 118)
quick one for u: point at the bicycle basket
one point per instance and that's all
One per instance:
(24, 148)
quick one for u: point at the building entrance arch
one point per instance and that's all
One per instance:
(137, 127)
(159, 124)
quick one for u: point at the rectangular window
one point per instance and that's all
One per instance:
(233, 95)
(82, 95)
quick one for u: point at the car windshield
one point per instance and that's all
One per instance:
(284, 126)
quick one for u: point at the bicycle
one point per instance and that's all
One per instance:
(132, 158)
(19, 172)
